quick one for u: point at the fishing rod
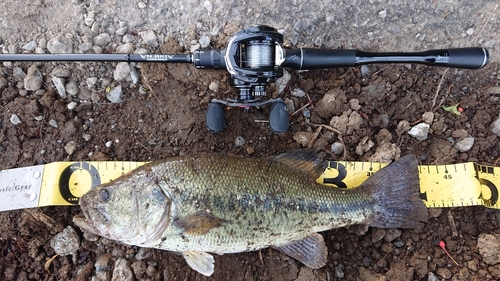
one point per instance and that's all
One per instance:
(255, 57)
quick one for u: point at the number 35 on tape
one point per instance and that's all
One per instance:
(456, 185)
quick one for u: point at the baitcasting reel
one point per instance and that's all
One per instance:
(255, 57)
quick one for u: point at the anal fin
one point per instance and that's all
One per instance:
(200, 261)
(311, 250)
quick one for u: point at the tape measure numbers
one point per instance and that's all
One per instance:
(62, 183)
(455, 185)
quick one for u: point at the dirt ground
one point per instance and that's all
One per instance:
(164, 116)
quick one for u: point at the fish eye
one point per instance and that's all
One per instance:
(104, 195)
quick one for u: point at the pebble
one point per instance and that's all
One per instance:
(337, 148)
(214, 86)
(306, 113)
(122, 71)
(72, 105)
(70, 147)
(115, 95)
(428, 117)
(18, 73)
(66, 242)
(103, 267)
(3, 83)
(109, 143)
(91, 82)
(134, 75)
(432, 277)
(142, 254)
(465, 144)
(60, 87)
(204, 41)
(122, 271)
(121, 31)
(289, 105)
(126, 48)
(61, 72)
(489, 248)
(72, 88)
(338, 272)
(420, 131)
(14, 119)
(392, 234)
(304, 138)
(377, 234)
(30, 46)
(398, 243)
(53, 123)
(149, 37)
(443, 273)
(87, 137)
(298, 92)
(102, 39)
(495, 126)
(239, 141)
(60, 45)
(208, 6)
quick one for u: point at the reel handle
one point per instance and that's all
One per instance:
(306, 58)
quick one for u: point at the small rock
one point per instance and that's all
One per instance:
(61, 88)
(126, 48)
(204, 41)
(122, 271)
(122, 71)
(489, 248)
(87, 137)
(91, 82)
(208, 6)
(66, 242)
(134, 75)
(432, 277)
(403, 126)
(494, 90)
(149, 37)
(364, 146)
(72, 105)
(298, 92)
(109, 143)
(250, 150)
(465, 144)
(3, 83)
(306, 112)
(290, 107)
(103, 267)
(60, 45)
(139, 269)
(495, 126)
(142, 254)
(53, 123)
(14, 119)
(331, 103)
(304, 138)
(141, 5)
(428, 117)
(338, 272)
(102, 40)
(470, 31)
(33, 80)
(70, 147)
(398, 243)
(392, 234)
(337, 148)
(72, 88)
(443, 273)
(115, 95)
(18, 73)
(61, 72)
(420, 131)
(214, 86)
(30, 46)
(377, 234)
(460, 133)
(434, 212)
(121, 31)
(354, 103)
(239, 141)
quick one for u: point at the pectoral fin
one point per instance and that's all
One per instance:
(311, 250)
(200, 261)
(199, 223)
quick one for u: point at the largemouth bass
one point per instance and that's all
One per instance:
(195, 205)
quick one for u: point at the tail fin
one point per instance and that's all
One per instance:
(396, 190)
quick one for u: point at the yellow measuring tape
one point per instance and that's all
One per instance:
(62, 183)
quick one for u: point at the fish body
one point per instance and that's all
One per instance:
(218, 204)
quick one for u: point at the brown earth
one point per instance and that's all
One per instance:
(169, 119)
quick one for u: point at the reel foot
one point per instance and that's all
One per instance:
(215, 117)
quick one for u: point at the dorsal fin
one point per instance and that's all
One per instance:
(304, 161)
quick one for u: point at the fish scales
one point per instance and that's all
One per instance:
(265, 203)
(218, 204)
